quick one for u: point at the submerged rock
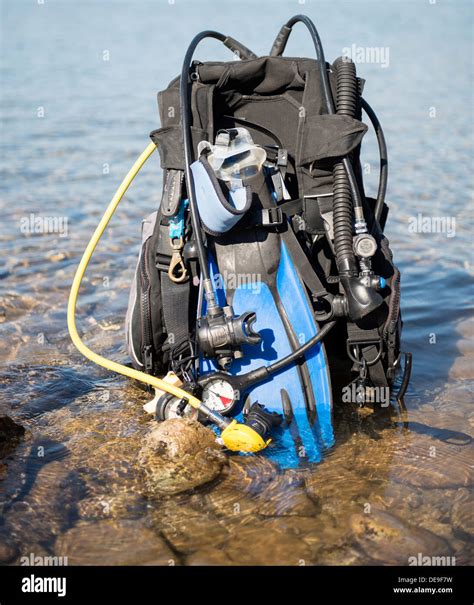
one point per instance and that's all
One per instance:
(208, 556)
(462, 369)
(8, 552)
(285, 496)
(179, 455)
(432, 464)
(110, 543)
(253, 485)
(188, 530)
(462, 517)
(10, 435)
(44, 504)
(121, 505)
(387, 539)
(13, 305)
(465, 346)
(260, 546)
(466, 328)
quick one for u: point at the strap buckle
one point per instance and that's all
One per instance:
(282, 158)
(272, 217)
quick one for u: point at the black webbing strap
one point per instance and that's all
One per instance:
(369, 344)
(271, 216)
(300, 260)
(312, 209)
(376, 370)
(291, 207)
(312, 216)
(175, 298)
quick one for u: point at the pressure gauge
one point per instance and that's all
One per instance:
(219, 395)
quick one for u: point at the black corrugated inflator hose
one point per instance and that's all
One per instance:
(346, 104)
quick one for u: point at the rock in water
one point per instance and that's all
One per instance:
(462, 518)
(110, 543)
(208, 556)
(432, 464)
(387, 539)
(259, 546)
(10, 435)
(462, 369)
(8, 552)
(178, 455)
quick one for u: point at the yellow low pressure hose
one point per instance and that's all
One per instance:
(81, 269)
(236, 436)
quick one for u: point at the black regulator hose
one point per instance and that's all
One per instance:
(293, 357)
(347, 88)
(240, 382)
(360, 299)
(383, 178)
(277, 50)
(185, 107)
(346, 195)
(346, 102)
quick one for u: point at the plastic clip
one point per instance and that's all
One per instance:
(272, 217)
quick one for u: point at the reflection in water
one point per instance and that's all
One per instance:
(395, 485)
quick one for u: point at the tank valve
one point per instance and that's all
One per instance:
(364, 245)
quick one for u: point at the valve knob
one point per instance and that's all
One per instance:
(364, 245)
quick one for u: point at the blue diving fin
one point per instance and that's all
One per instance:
(253, 271)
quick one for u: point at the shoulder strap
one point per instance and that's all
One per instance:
(305, 269)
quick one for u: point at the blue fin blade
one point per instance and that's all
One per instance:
(299, 441)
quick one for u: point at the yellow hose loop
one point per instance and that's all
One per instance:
(157, 383)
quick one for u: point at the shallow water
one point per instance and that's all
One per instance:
(394, 485)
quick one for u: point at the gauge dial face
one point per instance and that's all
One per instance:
(219, 395)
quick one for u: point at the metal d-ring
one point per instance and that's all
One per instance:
(357, 360)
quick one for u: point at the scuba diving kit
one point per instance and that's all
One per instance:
(264, 277)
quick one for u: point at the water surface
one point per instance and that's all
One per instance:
(79, 83)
